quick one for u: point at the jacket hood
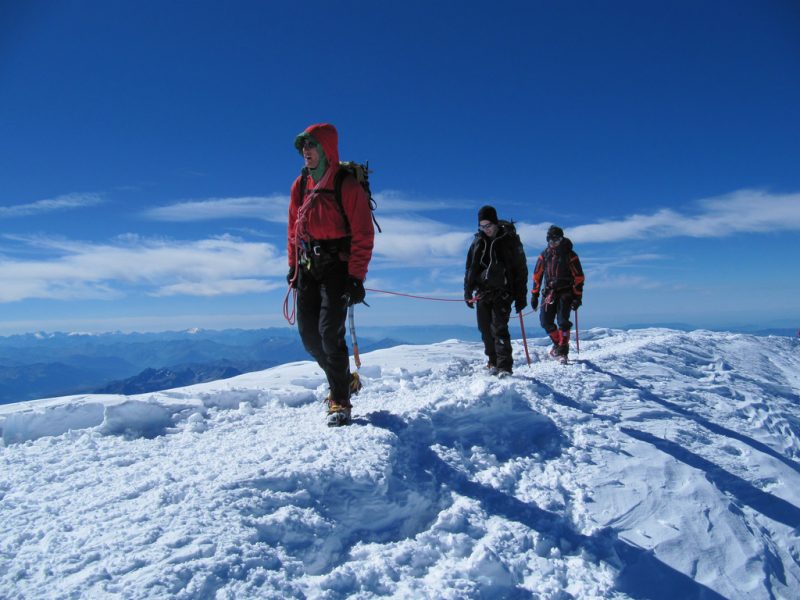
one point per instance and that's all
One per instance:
(326, 135)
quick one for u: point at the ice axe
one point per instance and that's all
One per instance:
(524, 340)
(353, 338)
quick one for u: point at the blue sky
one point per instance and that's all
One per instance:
(146, 153)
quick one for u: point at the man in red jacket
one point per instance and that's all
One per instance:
(329, 249)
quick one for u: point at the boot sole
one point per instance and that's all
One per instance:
(338, 420)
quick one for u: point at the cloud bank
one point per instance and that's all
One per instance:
(209, 267)
(744, 211)
(413, 241)
(229, 265)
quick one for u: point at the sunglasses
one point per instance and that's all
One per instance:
(486, 227)
(554, 240)
(308, 144)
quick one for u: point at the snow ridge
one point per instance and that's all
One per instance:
(661, 464)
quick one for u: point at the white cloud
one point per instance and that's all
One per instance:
(393, 201)
(626, 260)
(219, 287)
(207, 267)
(268, 208)
(419, 242)
(744, 211)
(275, 208)
(622, 282)
(65, 202)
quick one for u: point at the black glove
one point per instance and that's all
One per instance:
(534, 300)
(290, 278)
(576, 302)
(354, 290)
(468, 300)
(520, 304)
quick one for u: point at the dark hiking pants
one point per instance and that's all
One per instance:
(493, 315)
(557, 310)
(321, 316)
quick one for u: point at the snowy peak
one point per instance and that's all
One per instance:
(658, 458)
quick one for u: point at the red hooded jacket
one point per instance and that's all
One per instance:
(316, 216)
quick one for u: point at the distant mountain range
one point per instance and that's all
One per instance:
(41, 365)
(752, 330)
(151, 380)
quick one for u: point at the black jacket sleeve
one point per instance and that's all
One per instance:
(520, 272)
(469, 285)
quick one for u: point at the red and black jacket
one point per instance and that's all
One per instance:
(560, 270)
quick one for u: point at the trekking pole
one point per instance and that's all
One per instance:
(524, 340)
(577, 333)
(353, 338)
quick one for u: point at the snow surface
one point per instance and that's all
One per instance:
(660, 464)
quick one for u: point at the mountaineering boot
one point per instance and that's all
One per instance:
(563, 348)
(555, 335)
(502, 373)
(339, 412)
(338, 415)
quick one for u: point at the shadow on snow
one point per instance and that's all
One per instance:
(641, 574)
(713, 427)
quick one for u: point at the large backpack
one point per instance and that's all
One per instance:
(519, 249)
(497, 276)
(511, 228)
(357, 170)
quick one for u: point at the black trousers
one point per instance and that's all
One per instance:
(321, 316)
(493, 314)
(557, 310)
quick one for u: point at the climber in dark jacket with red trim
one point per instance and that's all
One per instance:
(497, 269)
(329, 249)
(559, 269)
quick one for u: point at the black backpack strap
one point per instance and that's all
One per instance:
(337, 192)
